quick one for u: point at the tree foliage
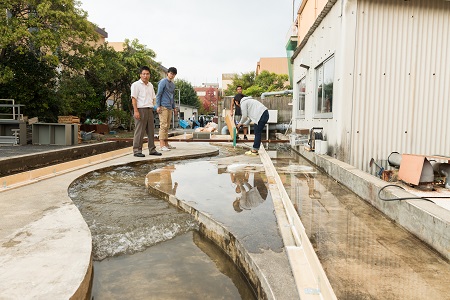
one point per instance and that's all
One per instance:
(37, 40)
(108, 77)
(33, 84)
(253, 85)
(187, 93)
(56, 31)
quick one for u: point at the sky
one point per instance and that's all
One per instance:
(201, 38)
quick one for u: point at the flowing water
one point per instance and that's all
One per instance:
(145, 248)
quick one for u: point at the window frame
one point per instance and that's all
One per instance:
(301, 97)
(320, 72)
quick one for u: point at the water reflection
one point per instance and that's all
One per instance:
(233, 193)
(250, 196)
(162, 179)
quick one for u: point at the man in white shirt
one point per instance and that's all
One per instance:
(142, 98)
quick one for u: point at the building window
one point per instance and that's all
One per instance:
(201, 93)
(324, 84)
(301, 97)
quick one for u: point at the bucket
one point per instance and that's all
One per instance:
(321, 147)
(293, 140)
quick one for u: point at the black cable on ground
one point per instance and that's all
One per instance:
(407, 198)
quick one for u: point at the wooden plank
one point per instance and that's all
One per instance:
(230, 124)
(184, 136)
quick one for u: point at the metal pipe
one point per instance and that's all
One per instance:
(285, 92)
(395, 159)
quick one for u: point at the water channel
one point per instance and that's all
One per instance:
(145, 248)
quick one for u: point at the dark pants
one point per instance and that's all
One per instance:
(259, 129)
(142, 126)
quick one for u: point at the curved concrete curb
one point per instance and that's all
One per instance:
(45, 243)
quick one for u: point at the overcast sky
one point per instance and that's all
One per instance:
(202, 38)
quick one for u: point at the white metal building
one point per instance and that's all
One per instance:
(375, 75)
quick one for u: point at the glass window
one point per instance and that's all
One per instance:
(301, 96)
(324, 84)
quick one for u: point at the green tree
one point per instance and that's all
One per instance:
(256, 85)
(108, 76)
(36, 39)
(57, 30)
(245, 80)
(33, 85)
(187, 93)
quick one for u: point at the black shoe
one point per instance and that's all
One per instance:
(155, 153)
(139, 155)
(245, 137)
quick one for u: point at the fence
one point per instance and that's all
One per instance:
(282, 104)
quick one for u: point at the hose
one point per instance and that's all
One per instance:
(407, 198)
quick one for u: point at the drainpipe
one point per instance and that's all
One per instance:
(285, 92)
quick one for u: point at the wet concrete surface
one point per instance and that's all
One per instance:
(231, 199)
(364, 254)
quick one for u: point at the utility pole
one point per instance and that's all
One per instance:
(293, 11)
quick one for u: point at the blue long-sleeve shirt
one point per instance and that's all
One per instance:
(164, 97)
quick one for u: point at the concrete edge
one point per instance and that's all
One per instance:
(32, 161)
(310, 278)
(427, 221)
(27, 177)
(84, 290)
(225, 240)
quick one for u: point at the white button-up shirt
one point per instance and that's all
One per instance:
(143, 93)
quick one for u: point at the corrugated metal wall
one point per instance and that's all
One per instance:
(402, 80)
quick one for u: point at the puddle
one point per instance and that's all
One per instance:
(233, 193)
(364, 254)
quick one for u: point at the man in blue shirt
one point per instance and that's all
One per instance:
(164, 106)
